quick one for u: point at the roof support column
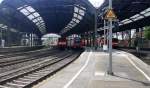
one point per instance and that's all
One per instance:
(130, 38)
(95, 29)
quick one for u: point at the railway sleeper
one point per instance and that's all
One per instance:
(14, 85)
(1, 86)
(22, 82)
(24, 79)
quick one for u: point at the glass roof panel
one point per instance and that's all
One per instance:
(72, 22)
(1, 25)
(83, 7)
(39, 18)
(147, 10)
(31, 17)
(147, 14)
(81, 11)
(127, 22)
(74, 19)
(77, 21)
(29, 8)
(36, 14)
(76, 9)
(69, 26)
(138, 18)
(25, 12)
(35, 20)
(135, 16)
(80, 17)
(75, 15)
(4, 26)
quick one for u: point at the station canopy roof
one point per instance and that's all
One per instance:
(131, 14)
(67, 17)
(46, 16)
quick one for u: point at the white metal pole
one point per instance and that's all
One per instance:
(110, 72)
(1, 37)
(104, 32)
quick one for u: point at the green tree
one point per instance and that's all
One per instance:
(147, 32)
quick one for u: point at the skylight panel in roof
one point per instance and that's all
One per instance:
(77, 21)
(36, 14)
(25, 12)
(1, 25)
(75, 15)
(69, 26)
(83, 7)
(20, 7)
(120, 24)
(39, 18)
(80, 17)
(76, 9)
(13, 30)
(143, 12)
(38, 24)
(4, 27)
(72, 22)
(138, 18)
(127, 22)
(42, 24)
(73, 25)
(147, 14)
(41, 21)
(81, 11)
(29, 8)
(35, 20)
(74, 19)
(147, 10)
(31, 17)
(135, 16)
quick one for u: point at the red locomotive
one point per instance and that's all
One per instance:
(62, 43)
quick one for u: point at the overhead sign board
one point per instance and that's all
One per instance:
(110, 15)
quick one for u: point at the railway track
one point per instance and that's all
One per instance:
(8, 55)
(15, 65)
(27, 76)
(25, 57)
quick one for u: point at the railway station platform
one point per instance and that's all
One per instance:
(90, 71)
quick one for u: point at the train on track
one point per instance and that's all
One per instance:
(78, 43)
(74, 43)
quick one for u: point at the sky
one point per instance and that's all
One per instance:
(96, 3)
